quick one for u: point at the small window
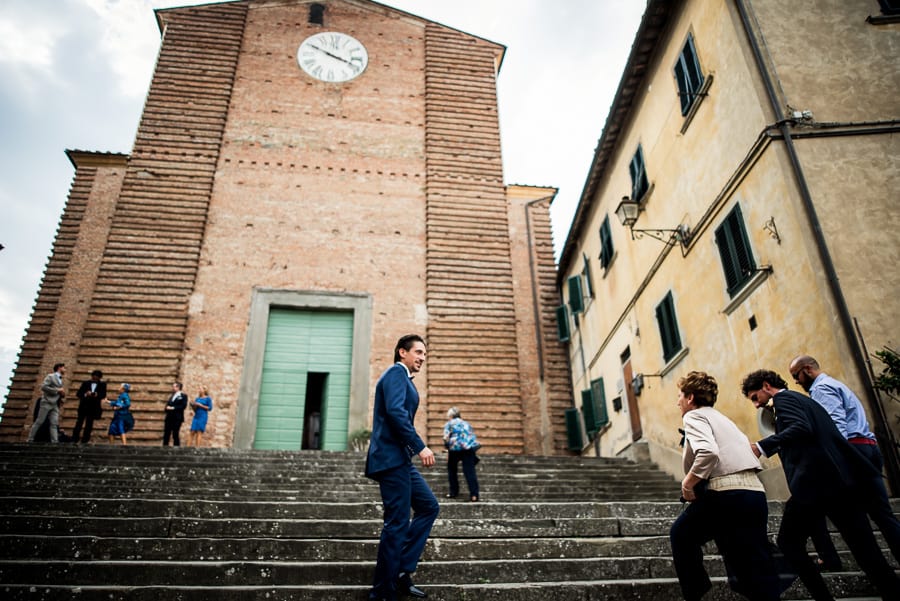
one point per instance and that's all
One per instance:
(734, 250)
(639, 182)
(586, 274)
(562, 322)
(668, 327)
(317, 14)
(589, 412)
(576, 295)
(573, 430)
(688, 76)
(599, 394)
(606, 245)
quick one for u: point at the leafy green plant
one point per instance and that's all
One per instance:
(359, 440)
(889, 378)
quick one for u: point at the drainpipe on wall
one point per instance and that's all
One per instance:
(859, 359)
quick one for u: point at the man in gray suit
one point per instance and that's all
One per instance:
(52, 396)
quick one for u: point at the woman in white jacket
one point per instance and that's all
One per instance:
(727, 502)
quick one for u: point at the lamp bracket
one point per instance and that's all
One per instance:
(681, 235)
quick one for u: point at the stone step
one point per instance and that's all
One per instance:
(111, 522)
(315, 528)
(228, 509)
(850, 587)
(92, 547)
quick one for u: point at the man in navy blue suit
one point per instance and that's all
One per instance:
(825, 474)
(393, 444)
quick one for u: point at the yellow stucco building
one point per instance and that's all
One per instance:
(759, 144)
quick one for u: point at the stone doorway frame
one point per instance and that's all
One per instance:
(254, 348)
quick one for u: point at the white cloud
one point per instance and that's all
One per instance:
(130, 40)
(27, 47)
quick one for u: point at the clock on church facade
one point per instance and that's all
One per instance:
(308, 183)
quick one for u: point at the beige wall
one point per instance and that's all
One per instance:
(698, 176)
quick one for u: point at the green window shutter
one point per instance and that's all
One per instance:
(601, 415)
(734, 251)
(638, 170)
(588, 411)
(562, 322)
(576, 296)
(588, 280)
(606, 245)
(668, 327)
(688, 75)
(573, 430)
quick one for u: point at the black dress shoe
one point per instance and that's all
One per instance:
(405, 586)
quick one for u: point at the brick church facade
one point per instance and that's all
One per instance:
(281, 220)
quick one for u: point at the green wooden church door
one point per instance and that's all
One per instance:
(304, 395)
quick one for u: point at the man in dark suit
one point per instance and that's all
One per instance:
(90, 395)
(392, 445)
(175, 407)
(825, 474)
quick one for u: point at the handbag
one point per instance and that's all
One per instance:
(128, 421)
(700, 490)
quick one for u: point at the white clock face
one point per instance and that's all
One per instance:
(333, 57)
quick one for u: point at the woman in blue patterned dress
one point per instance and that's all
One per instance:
(202, 405)
(461, 446)
(122, 420)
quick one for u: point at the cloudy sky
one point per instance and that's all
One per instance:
(74, 73)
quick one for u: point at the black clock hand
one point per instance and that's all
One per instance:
(343, 60)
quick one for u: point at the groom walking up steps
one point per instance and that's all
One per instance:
(393, 444)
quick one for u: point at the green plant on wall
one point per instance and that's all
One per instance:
(359, 440)
(889, 378)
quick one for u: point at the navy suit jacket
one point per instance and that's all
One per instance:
(818, 461)
(394, 439)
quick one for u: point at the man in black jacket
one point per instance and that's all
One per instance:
(175, 407)
(825, 474)
(90, 395)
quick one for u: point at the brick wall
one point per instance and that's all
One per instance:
(248, 174)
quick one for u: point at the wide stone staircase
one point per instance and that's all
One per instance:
(105, 522)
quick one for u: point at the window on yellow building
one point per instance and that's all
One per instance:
(606, 245)
(586, 274)
(688, 76)
(562, 323)
(734, 250)
(576, 294)
(639, 182)
(668, 327)
(598, 394)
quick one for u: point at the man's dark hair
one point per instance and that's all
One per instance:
(755, 380)
(97, 374)
(179, 385)
(56, 366)
(406, 343)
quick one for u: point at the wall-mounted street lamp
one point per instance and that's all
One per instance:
(628, 211)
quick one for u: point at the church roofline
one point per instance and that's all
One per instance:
(91, 158)
(500, 48)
